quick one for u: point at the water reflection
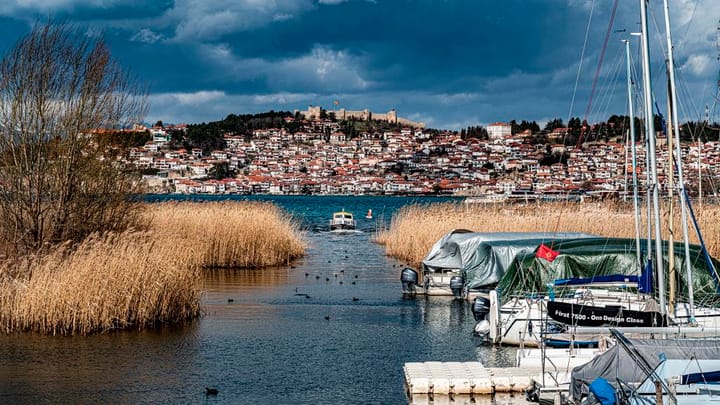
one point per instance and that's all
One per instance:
(232, 278)
(113, 367)
(260, 342)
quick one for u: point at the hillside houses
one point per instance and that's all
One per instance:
(321, 159)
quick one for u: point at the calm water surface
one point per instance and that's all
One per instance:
(270, 344)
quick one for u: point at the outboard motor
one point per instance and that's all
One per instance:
(480, 308)
(457, 283)
(482, 329)
(409, 279)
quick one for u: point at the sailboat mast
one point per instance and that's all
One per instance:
(625, 167)
(672, 276)
(631, 111)
(650, 125)
(681, 184)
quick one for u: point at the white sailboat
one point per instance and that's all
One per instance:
(524, 321)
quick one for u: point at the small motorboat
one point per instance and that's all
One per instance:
(342, 220)
(369, 214)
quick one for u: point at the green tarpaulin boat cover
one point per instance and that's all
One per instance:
(588, 257)
(509, 260)
(483, 257)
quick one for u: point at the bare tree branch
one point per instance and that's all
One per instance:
(56, 88)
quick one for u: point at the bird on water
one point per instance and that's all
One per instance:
(211, 391)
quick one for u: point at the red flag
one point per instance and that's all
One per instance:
(546, 253)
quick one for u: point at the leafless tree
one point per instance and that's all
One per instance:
(58, 182)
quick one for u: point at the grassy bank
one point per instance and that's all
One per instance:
(142, 278)
(414, 229)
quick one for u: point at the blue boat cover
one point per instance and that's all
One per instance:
(646, 278)
(603, 391)
(693, 378)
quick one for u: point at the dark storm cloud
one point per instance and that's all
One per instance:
(448, 63)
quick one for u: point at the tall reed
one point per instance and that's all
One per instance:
(140, 279)
(115, 281)
(231, 234)
(414, 229)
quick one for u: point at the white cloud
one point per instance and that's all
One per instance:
(147, 36)
(700, 65)
(281, 99)
(457, 98)
(17, 8)
(188, 99)
(213, 105)
(584, 4)
(323, 69)
(205, 20)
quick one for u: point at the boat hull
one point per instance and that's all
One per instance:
(342, 227)
(589, 315)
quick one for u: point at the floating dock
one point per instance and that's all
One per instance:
(466, 378)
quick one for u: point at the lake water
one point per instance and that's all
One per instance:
(260, 339)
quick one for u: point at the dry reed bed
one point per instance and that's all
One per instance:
(231, 234)
(112, 282)
(141, 279)
(414, 229)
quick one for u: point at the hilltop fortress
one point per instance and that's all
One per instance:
(314, 112)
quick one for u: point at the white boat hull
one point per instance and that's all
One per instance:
(519, 322)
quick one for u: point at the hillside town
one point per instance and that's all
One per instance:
(320, 158)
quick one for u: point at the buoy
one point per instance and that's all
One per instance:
(369, 214)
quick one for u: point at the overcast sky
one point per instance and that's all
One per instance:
(448, 63)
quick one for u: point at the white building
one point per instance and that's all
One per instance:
(499, 130)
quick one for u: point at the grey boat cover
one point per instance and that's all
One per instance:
(590, 257)
(616, 364)
(483, 257)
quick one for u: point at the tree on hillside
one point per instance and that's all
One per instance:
(57, 86)
(222, 170)
(525, 125)
(553, 124)
(478, 132)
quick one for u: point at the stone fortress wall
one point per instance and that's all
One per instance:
(313, 112)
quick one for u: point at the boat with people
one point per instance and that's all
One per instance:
(342, 220)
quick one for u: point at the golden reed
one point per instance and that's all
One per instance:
(232, 234)
(414, 229)
(139, 279)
